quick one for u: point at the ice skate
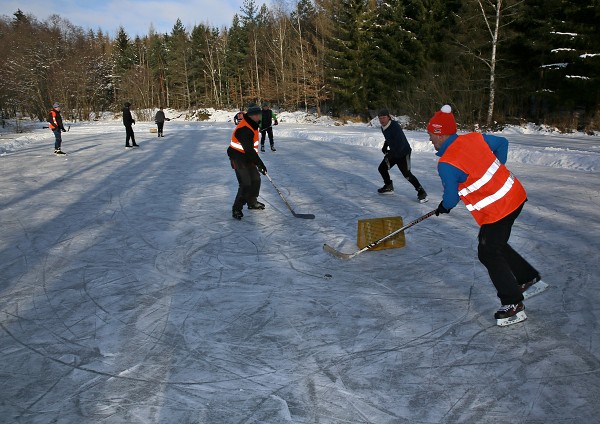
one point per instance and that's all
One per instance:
(387, 188)
(422, 195)
(510, 314)
(256, 205)
(533, 287)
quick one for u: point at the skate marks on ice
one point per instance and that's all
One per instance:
(149, 304)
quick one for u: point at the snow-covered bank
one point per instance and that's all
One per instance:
(550, 149)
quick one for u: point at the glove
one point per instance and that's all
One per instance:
(133, 120)
(262, 169)
(63, 130)
(276, 123)
(441, 209)
(384, 149)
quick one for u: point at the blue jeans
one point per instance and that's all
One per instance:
(57, 138)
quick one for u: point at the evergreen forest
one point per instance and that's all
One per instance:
(497, 62)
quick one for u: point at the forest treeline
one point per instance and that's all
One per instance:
(495, 61)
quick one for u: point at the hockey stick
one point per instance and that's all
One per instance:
(297, 215)
(341, 255)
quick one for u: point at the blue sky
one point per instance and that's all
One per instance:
(134, 15)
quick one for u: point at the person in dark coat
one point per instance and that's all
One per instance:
(267, 120)
(55, 123)
(244, 159)
(397, 151)
(128, 121)
(159, 120)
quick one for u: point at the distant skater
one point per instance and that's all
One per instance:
(397, 152)
(56, 125)
(267, 120)
(237, 118)
(159, 120)
(128, 121)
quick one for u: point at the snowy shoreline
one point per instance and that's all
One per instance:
(529, 145)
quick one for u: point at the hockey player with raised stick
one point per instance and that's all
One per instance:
(397, 151)
(472, 169)
(243, 155)
(55, 123)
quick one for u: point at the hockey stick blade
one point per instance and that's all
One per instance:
(341, 255)
(337, 253)
(297, 215)
(303, 215)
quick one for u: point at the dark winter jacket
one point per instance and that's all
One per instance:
(267, 118)
(127, 118)
(395, 140)
(246, 137)
(159, 118)
(55, 120)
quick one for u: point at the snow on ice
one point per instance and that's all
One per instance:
(128, 294)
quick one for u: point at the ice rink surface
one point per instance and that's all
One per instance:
(128, 294)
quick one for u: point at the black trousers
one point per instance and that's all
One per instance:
(403, 165)
(248, 186)
(129, 135)
(507, 269)
(263, 133)
(160, 126)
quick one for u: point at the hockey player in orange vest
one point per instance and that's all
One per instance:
(472, 169)
(243, 154)
(55, 123)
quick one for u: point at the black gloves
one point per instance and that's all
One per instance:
(384, 149)
(441, 209)
(262, 169)
(276, 123)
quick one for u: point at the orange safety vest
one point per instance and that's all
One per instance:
(53, 123)
(490, 191)
(235, 143)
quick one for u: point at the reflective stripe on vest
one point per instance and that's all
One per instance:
(490, 191)
(235, 143)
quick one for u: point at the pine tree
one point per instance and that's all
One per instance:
(348, 56)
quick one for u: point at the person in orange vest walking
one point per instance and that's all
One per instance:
(243, 155)
(471, 167)
(56, 125)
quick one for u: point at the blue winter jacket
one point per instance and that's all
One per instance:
(452, 176)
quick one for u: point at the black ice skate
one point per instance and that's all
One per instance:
(510, 314)
(422, 195)
(262, 148)
(237, 214)
(256, 205)
(273, 149)
(387, 188)
(59, 152)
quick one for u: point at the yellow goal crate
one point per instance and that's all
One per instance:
(153, 130)
(370, 230)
